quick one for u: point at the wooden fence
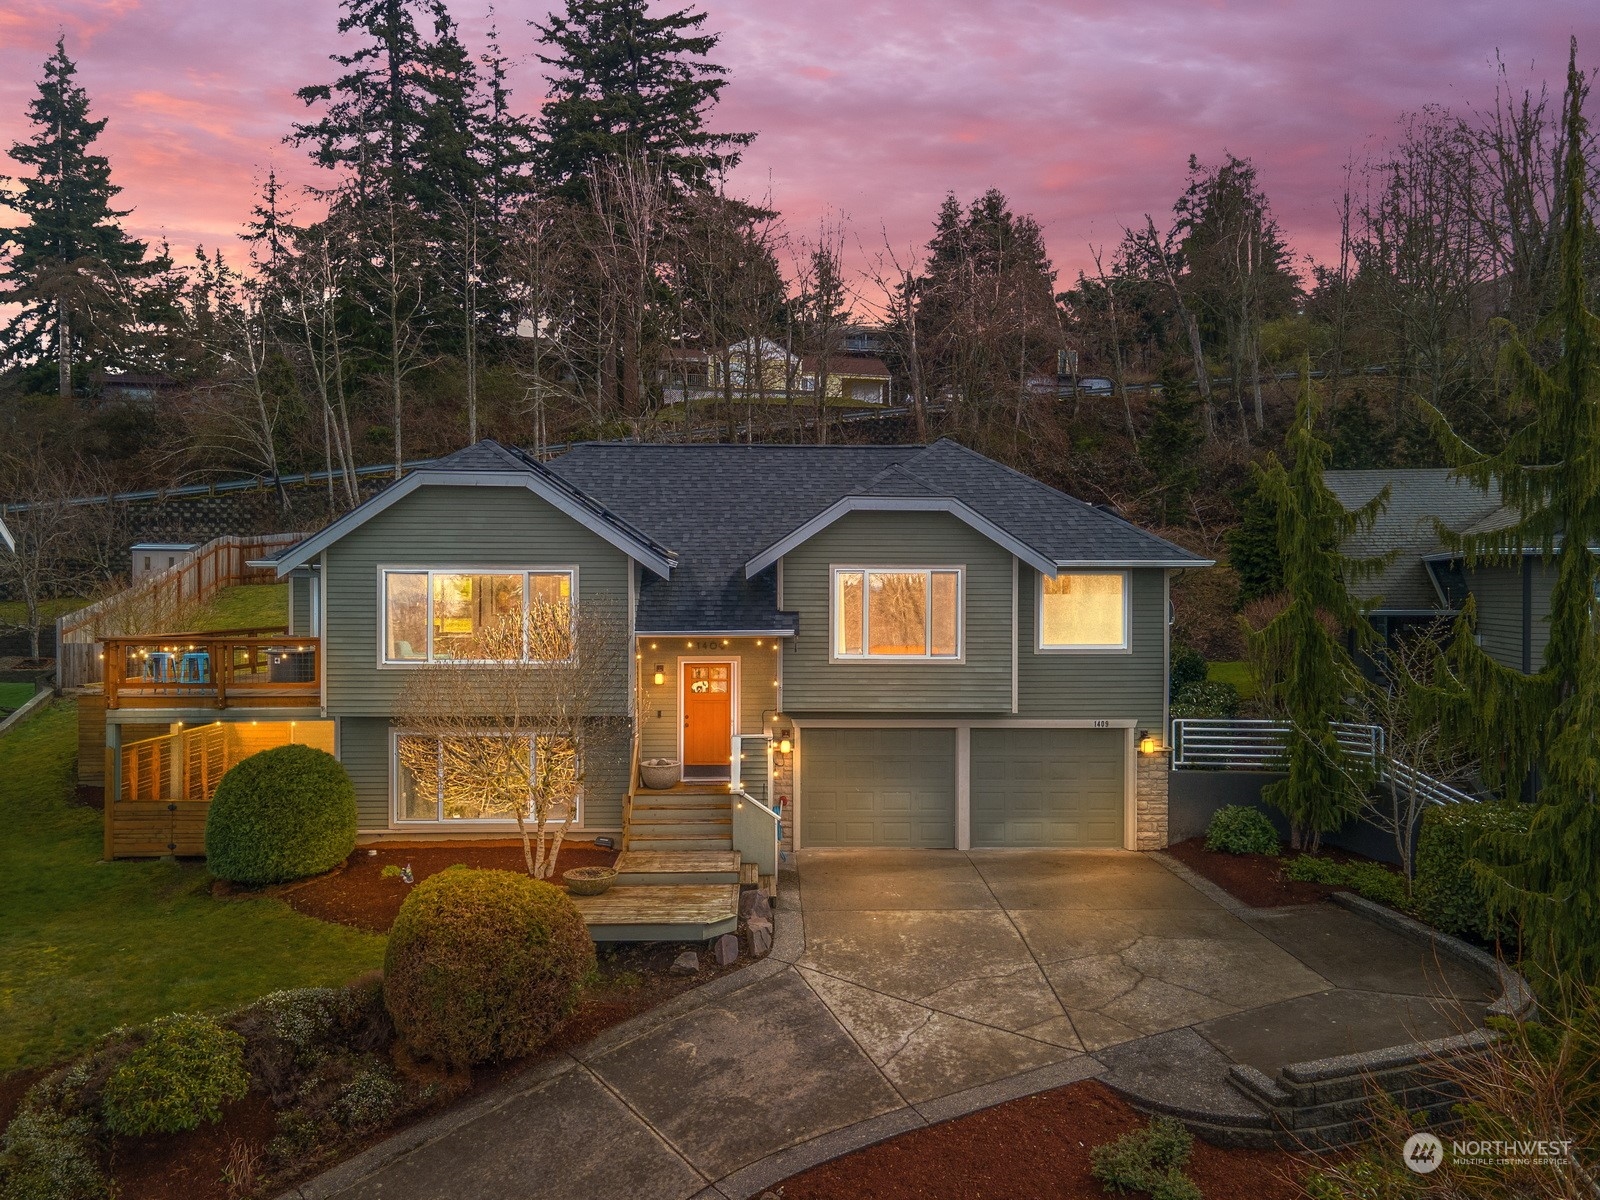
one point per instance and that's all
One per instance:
(161, 603)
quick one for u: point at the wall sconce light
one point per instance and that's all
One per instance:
(1147, 742)
(660, 676)
(785, 746)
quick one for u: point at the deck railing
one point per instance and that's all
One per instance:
(1257, 745)
(244, 668)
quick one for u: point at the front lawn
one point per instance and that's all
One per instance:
(246, 606)
(89, 945)
(1237, 673)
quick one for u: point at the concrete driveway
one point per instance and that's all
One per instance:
(906, 987)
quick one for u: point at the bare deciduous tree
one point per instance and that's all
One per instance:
(508, 729)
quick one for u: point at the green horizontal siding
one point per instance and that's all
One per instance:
(982, 684)
(659, 705)
(1498, 592)
(1090, 686)
(445, 527)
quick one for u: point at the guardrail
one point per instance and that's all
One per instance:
(1239, 744)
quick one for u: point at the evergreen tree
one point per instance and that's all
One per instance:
(1319, 678)
(1253, 545)
(1549, 473)
(71, 268)
(624, 83)
(1170, 445)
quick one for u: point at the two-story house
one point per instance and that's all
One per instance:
(881, 645)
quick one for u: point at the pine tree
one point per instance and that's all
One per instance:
(1253, 545)
(1170, 445)
(72, 268)
(624, 83)
(1548, 880)
(1321, 792)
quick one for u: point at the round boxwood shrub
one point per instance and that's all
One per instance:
(282, 814)
(1236, 829)
(483, 965)
(184, 1070)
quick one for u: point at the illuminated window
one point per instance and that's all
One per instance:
(443, 616)
(483, 777)
(897, 613)
(1083, 611)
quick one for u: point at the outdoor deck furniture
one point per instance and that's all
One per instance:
(158, 666)
(194, 667)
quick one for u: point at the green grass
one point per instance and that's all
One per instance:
(14, 696)
(15, 613)
(1237, 673)
(89, 945)
(246, 606)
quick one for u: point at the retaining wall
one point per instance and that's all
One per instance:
(1193, 796)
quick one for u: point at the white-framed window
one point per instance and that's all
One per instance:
(445, 615)
(1084, 611)
(898, 613)
(480, 777)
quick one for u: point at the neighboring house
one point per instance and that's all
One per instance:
(1426, 582)
(762, 369)
(151, 558)
(892, 646)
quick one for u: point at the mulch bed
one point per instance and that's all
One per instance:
(633, 978)
(1036, 1148)
(1254, 879)
(359, 895)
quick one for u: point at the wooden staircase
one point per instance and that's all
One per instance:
(678, 876)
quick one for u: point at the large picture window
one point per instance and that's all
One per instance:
(897, 613)
(481, 777)
(445, 616)
(1086, 610)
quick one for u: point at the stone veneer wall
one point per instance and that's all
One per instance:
(1150, 800)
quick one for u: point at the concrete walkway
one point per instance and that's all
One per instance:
(907, 987)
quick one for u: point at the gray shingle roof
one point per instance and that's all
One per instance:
(719, 506)
(1417, 498)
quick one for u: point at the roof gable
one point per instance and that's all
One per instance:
(489, 464)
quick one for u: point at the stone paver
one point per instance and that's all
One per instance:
(912, 986)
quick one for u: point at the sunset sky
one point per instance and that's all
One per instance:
(1084, 112)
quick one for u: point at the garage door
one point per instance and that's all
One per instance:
(878, 787)
(1047, 787)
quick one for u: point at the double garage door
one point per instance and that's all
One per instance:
(898, 787)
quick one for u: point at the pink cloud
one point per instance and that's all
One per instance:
(1083, 111)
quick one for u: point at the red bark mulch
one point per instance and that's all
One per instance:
(359, 895)
(1035, 1148)
(1254, 879)
(191, 1164)
(13, 1087)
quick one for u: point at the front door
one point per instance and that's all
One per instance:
(707, 716)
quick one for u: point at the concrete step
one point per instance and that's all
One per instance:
(643, 868)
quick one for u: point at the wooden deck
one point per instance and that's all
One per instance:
(645, 867)
(661, 913)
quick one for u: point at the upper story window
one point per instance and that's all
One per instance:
(1083, 610)
(445, 616)
(897, 613)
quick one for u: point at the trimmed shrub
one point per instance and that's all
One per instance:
(1148, 1160)
(1188, 666)
(1238, 829)
(1369, 879)
(1206, 698)
(282, 814)
(483, 965)
(1445, 893)
(185, 1070)
(47, 1155)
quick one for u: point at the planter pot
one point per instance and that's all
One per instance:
(658, 774)
(588, 881)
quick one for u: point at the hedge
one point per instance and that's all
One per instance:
(1444, 891)
(285, 813)
(1239, 829)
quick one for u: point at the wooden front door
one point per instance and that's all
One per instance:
(707, 714)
